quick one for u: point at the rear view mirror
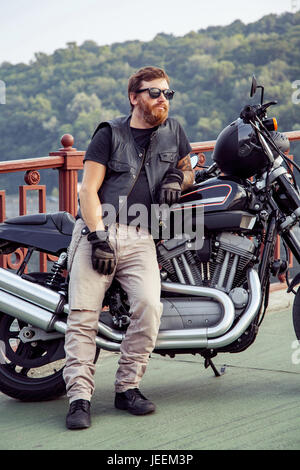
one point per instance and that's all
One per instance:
(253, 86)
(194, 160)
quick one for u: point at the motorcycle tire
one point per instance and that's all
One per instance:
(31, 371)
(296, 314)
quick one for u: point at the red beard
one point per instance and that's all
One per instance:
(156, 114)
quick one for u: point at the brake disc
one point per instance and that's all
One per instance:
(26, 354)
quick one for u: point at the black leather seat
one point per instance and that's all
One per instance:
(63, 221)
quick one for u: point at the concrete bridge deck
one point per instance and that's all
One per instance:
(254, 405)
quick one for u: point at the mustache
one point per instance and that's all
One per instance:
(164, 106)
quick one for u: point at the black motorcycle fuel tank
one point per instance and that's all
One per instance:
(224, 203)
(50, 233)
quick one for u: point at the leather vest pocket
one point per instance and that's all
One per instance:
(118, 166)
(122, 170)
(168, 157)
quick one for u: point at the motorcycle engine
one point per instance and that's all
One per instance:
(221, 263)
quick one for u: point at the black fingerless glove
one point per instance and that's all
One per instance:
(103, 255)
(170, 189)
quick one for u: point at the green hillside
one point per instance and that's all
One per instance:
(73, 89)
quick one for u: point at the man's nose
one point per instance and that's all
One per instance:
(162, 97)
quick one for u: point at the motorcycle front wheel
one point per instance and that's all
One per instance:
(296, 314)
(30, 371)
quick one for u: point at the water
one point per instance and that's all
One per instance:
(12, 204)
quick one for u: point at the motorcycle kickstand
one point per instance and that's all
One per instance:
(209, 363)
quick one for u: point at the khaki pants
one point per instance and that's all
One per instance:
(138, 273)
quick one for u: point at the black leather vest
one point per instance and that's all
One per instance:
(126, 160)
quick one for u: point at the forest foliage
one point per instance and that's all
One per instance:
(73, 89)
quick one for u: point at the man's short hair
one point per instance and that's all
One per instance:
(145, 74)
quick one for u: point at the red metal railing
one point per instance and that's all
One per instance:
(67, 160)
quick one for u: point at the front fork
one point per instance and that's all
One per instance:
(293, 243)
(289, 221)
(268, 251)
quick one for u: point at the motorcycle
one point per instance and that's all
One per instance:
(214, 296)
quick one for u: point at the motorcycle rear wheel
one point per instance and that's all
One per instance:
(30, 371)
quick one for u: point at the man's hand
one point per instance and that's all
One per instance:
(170, 189)
(103, 255)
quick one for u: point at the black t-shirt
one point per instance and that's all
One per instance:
(99, 150)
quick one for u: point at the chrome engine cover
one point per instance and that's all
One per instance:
(222, 263)
(179, 312)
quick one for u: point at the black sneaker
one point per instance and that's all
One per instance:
(134, 401)
(79, 416)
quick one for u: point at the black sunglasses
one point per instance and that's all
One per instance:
(155, 92)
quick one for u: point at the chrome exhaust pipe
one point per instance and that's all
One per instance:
(41, 307)
(247, 317)
(185, 339)
(231, 335)
(38, 306)
(55, 303)
(41, 318)
(30, 313)
(198, 291)
(195, 333)
(32, 292)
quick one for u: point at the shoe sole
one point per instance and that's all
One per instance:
(74, 428)
(134, 412)
(77, 426)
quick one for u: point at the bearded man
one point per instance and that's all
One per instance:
(132, 162)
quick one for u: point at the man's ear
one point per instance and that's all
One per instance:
(133, 98)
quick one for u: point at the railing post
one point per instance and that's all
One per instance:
(68, 174)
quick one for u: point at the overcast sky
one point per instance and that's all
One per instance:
(29, 26)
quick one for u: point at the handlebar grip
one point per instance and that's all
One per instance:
(248, 113)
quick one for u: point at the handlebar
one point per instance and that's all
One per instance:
(250, 112)
(210, 172)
